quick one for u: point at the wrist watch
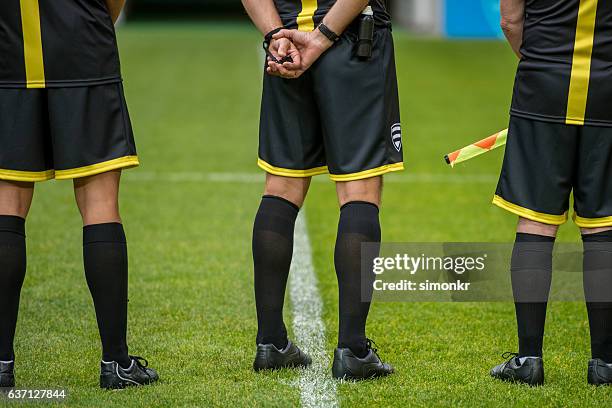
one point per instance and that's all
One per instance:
(329, 34)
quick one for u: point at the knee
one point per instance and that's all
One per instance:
(15, 198)
(291, 189)
(100, 211)
(369, 190)
(526, 226)
(98, 198)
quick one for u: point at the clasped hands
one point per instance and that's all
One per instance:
(295, 52)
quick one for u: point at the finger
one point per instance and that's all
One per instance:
(286, 73)
(271, 62)
(272, 73)
(272, 53)
(289, 34)
(291, 66)
(293, 74)
(297, 59)
(275, 67)
(283, 48)
(271, 68)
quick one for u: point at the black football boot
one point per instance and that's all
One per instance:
(531, 371)
(7, 374)
(600, 373)
(347, 366)
(113, 376)
(268, 357)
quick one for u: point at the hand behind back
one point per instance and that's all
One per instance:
(305, 48)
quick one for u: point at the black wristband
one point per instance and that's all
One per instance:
(266, 46)
(268, 37)
(325, 30)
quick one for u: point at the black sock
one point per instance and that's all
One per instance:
(106, 269)
(531, 278)
(12, 274)
(358, 224)
(272, 253)
(597, 282)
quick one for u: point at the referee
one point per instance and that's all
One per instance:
(330, 105)
(559, 141)
(63, 115)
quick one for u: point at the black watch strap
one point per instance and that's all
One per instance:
(325, 30)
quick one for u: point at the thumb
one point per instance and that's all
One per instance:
(283, 48)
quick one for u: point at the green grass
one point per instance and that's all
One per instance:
(194, 93)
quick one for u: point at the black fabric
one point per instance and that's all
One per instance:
(542, 88)
(78, 43)
(597, 281)
(564, 158)
(531, 271)
(290, 9)
(12, 275)
(64, 129)
(343, 113)
(359, 223)
(272, 253)
(106, 269)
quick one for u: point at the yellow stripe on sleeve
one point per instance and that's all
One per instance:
(305, 19)
(32, 44)
(581, 65)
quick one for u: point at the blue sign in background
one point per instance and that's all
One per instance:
(472, 19)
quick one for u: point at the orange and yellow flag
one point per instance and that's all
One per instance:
(478, 148)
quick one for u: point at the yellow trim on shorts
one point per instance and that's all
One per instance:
(305, 20)
(279, 171)
(378, 171)
(26, 176)
(32, 44)
(530, 214)
(581, 63)
(98, 168)
(592, 222)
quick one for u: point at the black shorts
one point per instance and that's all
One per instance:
(64, 133)
(545, 162)
(342, 116)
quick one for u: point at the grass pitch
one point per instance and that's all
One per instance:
(194, 93)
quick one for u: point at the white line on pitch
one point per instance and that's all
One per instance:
(413, 178)
(317, 388)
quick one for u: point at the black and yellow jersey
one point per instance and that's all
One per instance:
(565, 75)
(56, 43)
(305, 15)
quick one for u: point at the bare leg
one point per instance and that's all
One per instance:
(98, 198)
(368, 190)
(16, 198)
(291, 189)
(526, 226)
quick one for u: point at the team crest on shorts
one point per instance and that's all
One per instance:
(396, 136)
